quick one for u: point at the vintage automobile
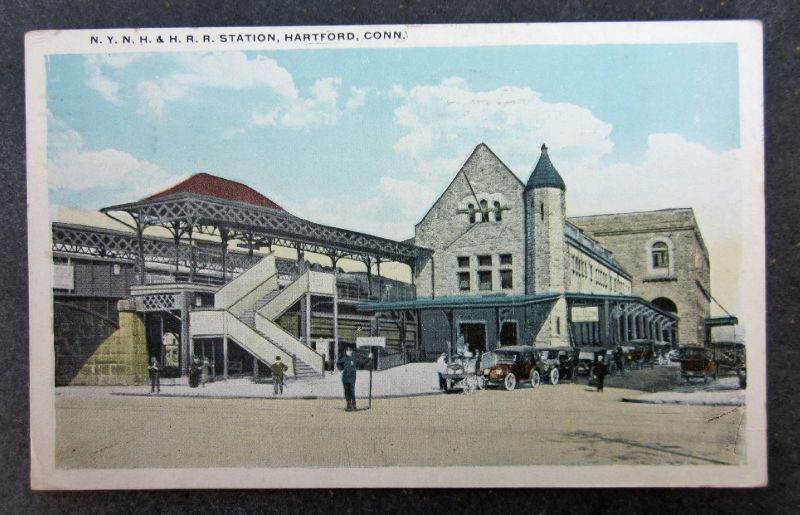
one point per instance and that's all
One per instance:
(587, 356)
(508, 366)
(729, 356)
(462, 373)
(674, 355)
(639, 353)
(557, 363)
(697, 362)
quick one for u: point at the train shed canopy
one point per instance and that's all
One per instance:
(229, 210)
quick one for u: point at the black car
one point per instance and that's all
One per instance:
(558, 363)
(587, 357)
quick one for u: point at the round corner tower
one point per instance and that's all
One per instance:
(546, 254)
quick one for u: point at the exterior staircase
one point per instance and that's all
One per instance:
(245, 310)
(248, 316)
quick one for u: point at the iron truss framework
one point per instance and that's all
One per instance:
(116, 245)
(256, 226)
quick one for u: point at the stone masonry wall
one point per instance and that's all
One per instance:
(121, 359)
(446, 229)
(548, 247)
(628, 237)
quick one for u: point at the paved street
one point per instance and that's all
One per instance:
(569, 424)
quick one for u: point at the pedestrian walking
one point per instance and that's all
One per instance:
(600, 370)
(347, 364)
(155, 375)
(205, 372)
(618, 360)
(441, 370)
(194, 373)
(278, 375)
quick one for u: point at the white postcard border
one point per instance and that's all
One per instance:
(746, 34)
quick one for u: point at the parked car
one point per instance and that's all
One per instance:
(508, 366)
(640, 353)
(462, 373)
(730, 356)
(557, 363)
(587, 357)
(697, 362)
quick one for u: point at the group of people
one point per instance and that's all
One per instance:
(199, 372)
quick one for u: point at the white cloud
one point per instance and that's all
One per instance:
(390, 210)
(189, 73)
(263, 118)
(98, 80)
(676, 172)
(358, 97)
(320, 107)
(441, 120)
(222, 70)
(410, 198)
(118, 175)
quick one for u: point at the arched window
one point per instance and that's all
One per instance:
(484, 211)
(659, 253)
(498, 213)
(471, 213)
(660, 258)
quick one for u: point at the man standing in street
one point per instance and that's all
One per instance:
(155, 375)
(347, 364)
(278, 374)
(600, 370)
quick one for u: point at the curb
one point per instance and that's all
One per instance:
(682, 403)
(284, 398)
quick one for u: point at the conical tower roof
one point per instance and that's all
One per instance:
(544, 174)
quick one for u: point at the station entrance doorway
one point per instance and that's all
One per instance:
(474, 336)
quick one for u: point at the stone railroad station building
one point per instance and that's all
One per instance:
(210, 268)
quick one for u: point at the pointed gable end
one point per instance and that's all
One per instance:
(481, 156)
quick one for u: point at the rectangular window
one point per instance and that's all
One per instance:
(484, 260)
(463, 281)
(485, 280)
(506, 279)
(463, 261)
(505, 259)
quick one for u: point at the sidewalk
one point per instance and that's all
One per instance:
(723, 392)
(402, 381)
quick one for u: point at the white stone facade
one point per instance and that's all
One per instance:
(492, 235)
(488, 249)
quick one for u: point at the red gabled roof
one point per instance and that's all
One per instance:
(213, 186)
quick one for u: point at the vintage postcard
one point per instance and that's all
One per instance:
(397, 256)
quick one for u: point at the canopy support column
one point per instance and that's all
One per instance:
(224, 236)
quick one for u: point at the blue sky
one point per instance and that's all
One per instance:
(368, 138)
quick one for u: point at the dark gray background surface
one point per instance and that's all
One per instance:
(782, 44)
